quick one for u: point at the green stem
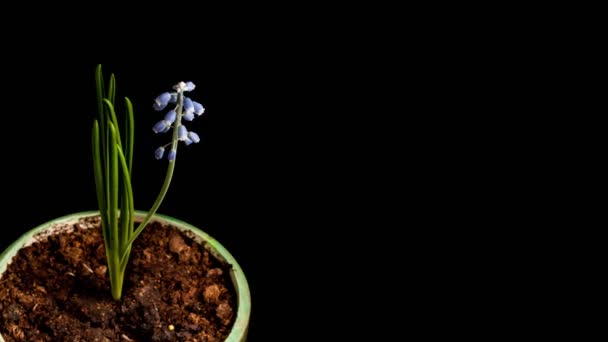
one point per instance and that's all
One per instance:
(166, 183)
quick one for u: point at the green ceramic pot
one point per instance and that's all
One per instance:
(241, 324)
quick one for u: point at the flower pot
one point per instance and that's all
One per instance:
(243, 301)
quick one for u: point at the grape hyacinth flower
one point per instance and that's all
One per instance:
(198, 108)
(159, 152)
(194, 137)
(161, 101)
(171, 155)
(185, 109)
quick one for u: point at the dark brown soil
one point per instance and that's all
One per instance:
(59, 290)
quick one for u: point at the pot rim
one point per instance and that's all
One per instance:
(239, 329)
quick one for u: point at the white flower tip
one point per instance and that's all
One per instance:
(181, 86)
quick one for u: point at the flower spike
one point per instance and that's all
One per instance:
(185, 110)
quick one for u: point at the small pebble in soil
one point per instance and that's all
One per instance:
(212, 293)
(224, 312)
(177, 243)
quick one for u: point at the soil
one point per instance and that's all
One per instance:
(58, 289)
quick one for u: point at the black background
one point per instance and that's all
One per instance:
(287, 155)
(237, 184)
(277, 177)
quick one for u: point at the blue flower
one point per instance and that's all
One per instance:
(193, 137)
(171, 155)
(159, 152)
(188, 108)
(198, 108)
(170, 116)
(162, 126)
(161, 101)
(182, 133)
(188, 116)
(189, 86)
(188, 105)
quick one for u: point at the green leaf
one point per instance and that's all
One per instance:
(113, 181)
(113, 119)
(100, 110)
(130, 133)
(99, 186)
(112, 89)
(116, 276)
(99, 87)
(128, 206)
